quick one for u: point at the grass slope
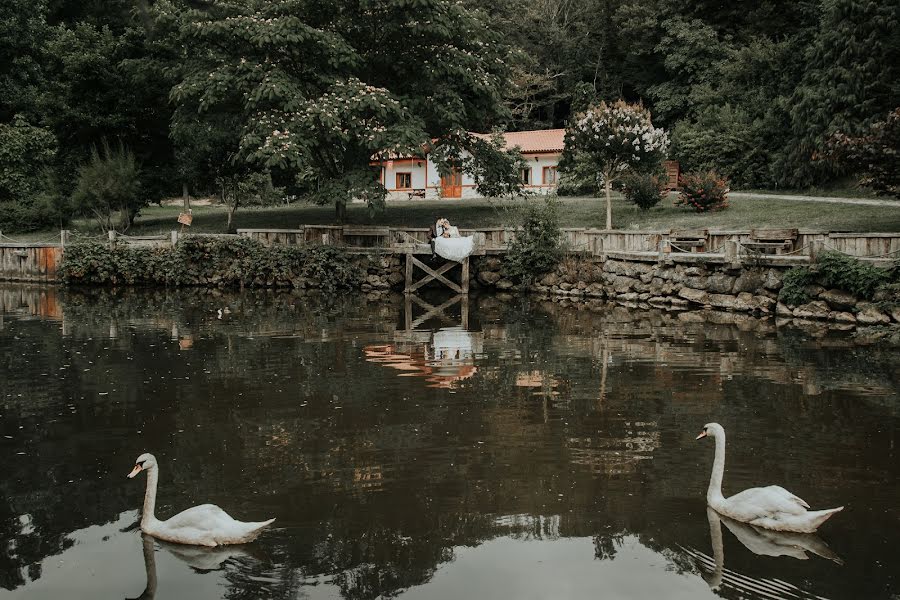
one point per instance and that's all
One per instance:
(743, 213)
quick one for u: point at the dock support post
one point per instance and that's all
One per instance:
(409, 273)
(464, 282)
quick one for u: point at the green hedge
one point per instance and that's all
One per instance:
(210, 261)
(836, 270)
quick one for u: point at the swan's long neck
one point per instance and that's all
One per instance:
(150, 497)
(714, 492)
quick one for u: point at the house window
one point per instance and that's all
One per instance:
(526, 176)
(404, 181)
(550, 175)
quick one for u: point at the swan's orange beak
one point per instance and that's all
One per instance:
(137, 469)
(701, 436)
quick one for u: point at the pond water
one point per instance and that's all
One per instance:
(497, 448)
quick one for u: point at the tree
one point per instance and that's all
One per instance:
(249, 188)
(320, 88)
(850, 78)
(496, 169)
(607, 141)
(108, 185)
(875, 156)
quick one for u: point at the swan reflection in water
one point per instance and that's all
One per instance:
(200, 558)
(763, 542)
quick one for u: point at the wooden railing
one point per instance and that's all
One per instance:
(875, 247)
(38, 261)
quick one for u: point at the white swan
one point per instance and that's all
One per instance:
(771, 507)
(763, 542)
(204, 525)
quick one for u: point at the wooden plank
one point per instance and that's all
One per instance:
(774, 234)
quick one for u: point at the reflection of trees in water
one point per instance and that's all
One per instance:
(377, 478)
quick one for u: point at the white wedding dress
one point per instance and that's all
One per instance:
(455, 247)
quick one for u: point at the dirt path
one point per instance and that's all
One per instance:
(794, 198)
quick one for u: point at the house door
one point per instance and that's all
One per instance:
(451, 184)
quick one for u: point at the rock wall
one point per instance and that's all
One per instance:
(743, 289)
(381, 274)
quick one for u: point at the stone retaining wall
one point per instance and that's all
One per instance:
(640, 284)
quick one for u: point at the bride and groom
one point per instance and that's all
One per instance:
(447, 242)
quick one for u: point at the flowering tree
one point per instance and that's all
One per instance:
(317, 89)
(606, 141)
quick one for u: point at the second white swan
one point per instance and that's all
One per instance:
(204, 525)
(771, 507)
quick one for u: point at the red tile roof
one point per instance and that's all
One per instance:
(528, 142)
(541, 140)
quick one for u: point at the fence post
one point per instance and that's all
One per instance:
(112, 239)
(174, 235)
(63, 237)
(731, 253)
(816, 248)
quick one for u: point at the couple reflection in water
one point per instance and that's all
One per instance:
(763, 542)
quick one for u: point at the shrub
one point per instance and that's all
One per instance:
(107, 185)
(203, 261)
(536, 248)
(643, 190)
(851, 275)
(704, 192)
(840, 271)
(793, 288)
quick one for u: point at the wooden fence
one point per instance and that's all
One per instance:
(38, 261)
(875, 247)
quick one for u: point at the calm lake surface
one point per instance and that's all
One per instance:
(537, 452)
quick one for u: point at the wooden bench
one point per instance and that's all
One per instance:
(688, 240)
(367, 237)
(417, 194)
(772, 241)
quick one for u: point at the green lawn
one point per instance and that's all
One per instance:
(743, 213)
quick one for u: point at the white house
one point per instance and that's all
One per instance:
(417, 176)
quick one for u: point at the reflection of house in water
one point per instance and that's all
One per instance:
(442, 357)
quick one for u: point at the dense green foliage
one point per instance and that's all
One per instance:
(750, 89)
(852, 275)
(836, 270)
(317, 89)
(644, 190)
(875, 155)
(702, 192)
(210, 261)
(536, 249)
(793, 286)
(309, 90)
(28, 198)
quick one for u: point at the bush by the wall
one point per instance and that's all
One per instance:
(644, 190)
(836, 270)
(703, 192)
(210, 261)
(536, 248)
(793, 288)
(851, 275)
